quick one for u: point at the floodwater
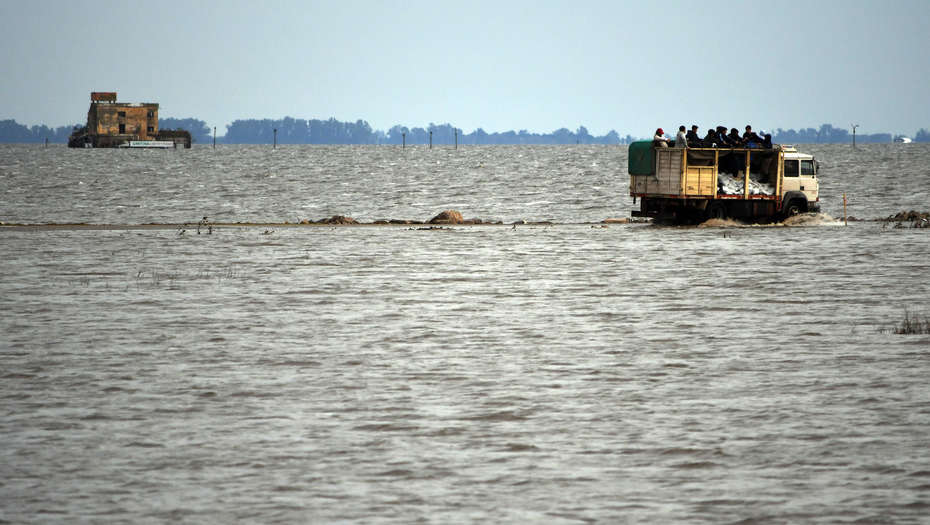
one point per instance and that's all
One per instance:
(564, 373)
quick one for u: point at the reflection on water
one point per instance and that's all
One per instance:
(555, 373)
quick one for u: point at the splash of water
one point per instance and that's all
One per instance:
(812, 219)
(723, 223)
(802, 220)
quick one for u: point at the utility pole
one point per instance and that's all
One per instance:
(275, 139)
(854, 126)
(214, 137)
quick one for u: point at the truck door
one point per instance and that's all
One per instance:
(807, 182)
(791, 180)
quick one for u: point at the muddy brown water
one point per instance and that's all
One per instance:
(555, 373)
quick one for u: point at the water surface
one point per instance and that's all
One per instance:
(554, 373)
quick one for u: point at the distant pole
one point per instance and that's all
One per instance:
(854, 126)
(275, 139)
(46, 142)
(404, 135)
(456, 139)
(430, 139)
(214, 137)
(845, 220)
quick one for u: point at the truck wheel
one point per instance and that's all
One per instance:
(794, 207)
(716, 211)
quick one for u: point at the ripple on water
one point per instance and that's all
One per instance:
(542, 373)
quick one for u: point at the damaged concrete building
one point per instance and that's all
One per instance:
(124, 124)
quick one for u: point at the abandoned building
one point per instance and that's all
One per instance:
(113, 124)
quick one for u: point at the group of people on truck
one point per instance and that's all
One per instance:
(715, 138)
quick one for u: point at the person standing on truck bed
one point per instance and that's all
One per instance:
(751, 139)
(710, 140)
(734, 137)
(681, 140)
(722, 138)
(659, 139)
(693, 139)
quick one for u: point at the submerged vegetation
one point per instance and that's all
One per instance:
(156, 278)
(911, 324)
(908, 219)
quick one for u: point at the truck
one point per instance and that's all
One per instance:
(689, 185)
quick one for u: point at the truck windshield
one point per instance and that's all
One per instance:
(807, 167)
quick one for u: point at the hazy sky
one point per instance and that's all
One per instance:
(501, 65)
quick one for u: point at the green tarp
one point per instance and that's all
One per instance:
(642, 158)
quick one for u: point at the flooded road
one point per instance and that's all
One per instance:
(561, 373)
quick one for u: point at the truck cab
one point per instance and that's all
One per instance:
(799, 182)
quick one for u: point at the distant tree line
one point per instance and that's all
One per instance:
(447, 134)
(11, 131)
(299, 131)
(200, 132)
(332, 131)
(827, 134)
